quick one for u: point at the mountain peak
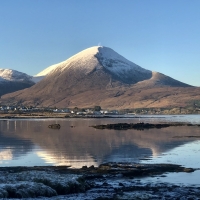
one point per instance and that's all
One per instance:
(120, 66)
(12, 80)
(13, 75)
(83, 54)
(100, 56)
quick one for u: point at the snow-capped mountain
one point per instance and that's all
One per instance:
(95, 76)
(124, 69)
(12, 80)
(95, 58)
(13, 75)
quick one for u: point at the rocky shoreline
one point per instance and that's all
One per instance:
(41, 115)
(108, 181)
(140, 126)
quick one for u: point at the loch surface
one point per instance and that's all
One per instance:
(29, 142)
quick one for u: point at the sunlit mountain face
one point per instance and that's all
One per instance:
(100, 76)
(83, 145)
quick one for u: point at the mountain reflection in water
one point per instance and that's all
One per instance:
(78, 144)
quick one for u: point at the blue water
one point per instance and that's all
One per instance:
(31, 143)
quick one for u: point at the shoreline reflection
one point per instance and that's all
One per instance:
(78, 144)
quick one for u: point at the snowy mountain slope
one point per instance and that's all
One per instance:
(80, 58)
(13, 75)
(12, 80)
(98, 57)
(84, 60)
(44, 72)
(94, 76)
(124, 69)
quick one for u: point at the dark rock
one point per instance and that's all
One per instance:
(138, 126)
(84, 167)
(54, 126)
(101, 182)
(92, 167)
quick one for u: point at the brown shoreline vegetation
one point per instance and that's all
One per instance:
(108, 181)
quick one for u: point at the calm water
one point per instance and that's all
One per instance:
(30, 142)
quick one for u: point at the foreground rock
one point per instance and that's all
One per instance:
(108, 181)
(139, 126)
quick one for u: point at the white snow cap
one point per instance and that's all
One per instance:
(13, 75)
(116, 63)
(80, 58)
(107, 57)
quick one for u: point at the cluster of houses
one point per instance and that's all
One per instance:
(75, 111)
(5, 108)
(93, 112)
(86, 112)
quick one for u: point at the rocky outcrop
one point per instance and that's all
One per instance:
(108, 181)
(139, 126)
(54, 126)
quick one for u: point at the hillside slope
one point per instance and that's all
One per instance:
(100, 76)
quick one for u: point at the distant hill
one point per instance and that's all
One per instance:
(12, 80)
(100, 76)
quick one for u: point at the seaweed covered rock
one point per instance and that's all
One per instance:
(139, 126)
(54, 126)
(39, 183)
(26, 190)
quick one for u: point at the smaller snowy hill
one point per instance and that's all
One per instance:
(12, 80)
(13, 75)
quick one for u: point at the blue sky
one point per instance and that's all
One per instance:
(159, 35)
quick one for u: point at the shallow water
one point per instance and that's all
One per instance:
(30, 143)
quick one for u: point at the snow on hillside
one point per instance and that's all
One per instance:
(44, 72)
(13, 75)
(84, 60)
(93, 57)
(80, 58)
(116, 63)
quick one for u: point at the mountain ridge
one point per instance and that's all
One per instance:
(99, 76)
(13, 80)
